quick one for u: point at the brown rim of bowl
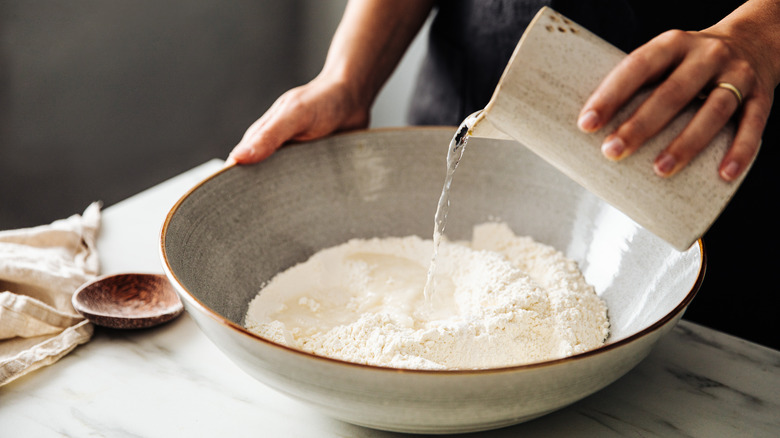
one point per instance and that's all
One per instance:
(241, 330)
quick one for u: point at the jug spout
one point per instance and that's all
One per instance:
(482, 127)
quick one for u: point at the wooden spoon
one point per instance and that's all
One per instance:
(128, 301)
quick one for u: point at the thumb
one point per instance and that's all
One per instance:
(265, 136)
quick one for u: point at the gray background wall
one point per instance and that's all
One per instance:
(100, 99)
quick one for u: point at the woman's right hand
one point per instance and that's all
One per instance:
(314, 110)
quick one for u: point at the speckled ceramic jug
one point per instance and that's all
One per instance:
(556, 66)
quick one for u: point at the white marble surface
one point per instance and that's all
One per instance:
(172, 381)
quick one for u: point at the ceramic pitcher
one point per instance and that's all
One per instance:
(555, 67)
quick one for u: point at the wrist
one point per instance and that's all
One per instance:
(755, 29)
(353, 83)
(348, 102)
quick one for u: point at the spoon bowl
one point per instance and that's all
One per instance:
(128, 301)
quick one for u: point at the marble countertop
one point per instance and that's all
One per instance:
(172, 381)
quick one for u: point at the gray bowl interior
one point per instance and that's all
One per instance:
(242, 226)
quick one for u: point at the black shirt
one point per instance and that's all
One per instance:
(471, 42)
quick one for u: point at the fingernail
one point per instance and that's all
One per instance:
(665, 164)
(588, 121)
(613, 148)
(730, 171)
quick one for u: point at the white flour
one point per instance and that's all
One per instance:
(501, 300)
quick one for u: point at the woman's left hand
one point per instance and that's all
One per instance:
(737, 73)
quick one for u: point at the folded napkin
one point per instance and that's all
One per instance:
(40, 269)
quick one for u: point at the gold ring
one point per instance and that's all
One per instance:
(734, 90)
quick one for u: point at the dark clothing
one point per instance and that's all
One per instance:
(471, 42)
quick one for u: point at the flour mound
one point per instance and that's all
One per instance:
(499, 300)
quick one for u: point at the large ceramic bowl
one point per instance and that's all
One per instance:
(243, 225)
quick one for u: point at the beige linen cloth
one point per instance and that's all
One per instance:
(40, 269)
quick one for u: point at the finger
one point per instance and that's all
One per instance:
(268, 133)
(640, 67)
(706, 123)
(663, 105)
(250, 149)
(747, 139)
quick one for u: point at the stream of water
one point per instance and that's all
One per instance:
(454, 153)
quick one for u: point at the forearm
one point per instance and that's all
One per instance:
(370, 41)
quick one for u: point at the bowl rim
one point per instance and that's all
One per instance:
(188, 296)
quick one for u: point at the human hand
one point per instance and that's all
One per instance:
(314, 110)
(688, 64)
